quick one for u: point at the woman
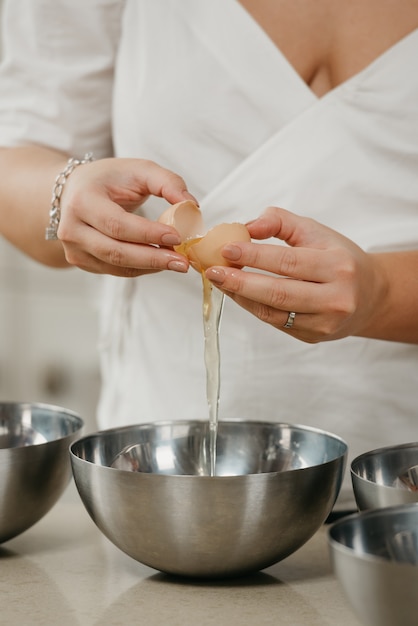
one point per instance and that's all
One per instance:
(307, 106)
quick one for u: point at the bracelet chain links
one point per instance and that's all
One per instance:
(51, 232)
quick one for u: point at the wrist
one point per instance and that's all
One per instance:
(394, 303)
(51, 232)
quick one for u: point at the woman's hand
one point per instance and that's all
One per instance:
(333, 286)
(98, 229)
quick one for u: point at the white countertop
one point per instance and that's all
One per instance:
(64, 572)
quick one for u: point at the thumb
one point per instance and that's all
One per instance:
(294, 229)
(159, 181)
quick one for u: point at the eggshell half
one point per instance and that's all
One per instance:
(186, 218)
(207, 251)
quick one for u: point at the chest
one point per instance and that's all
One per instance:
(326, 41)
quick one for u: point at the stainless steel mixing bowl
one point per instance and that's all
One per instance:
(375, 558)
(34, 462)
(386, 477)
(275, 484)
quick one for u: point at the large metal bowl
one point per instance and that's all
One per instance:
(386, 477)
(275, 484)
(35, 466)
(375, 558)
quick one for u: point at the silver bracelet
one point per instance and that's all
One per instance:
(55, 210)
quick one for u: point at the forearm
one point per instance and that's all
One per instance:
(26, 183)
(397, 318)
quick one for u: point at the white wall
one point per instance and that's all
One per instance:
(48, 334)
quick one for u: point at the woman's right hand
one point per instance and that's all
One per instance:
(98, 229)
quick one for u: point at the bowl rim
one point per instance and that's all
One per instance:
(161, 423)
(358, 516)
(48, 408)
(375, 453)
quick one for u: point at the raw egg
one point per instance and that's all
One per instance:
(203, 249)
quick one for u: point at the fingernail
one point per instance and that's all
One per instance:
(171, 239)
(189, 196)
(215, 275)
(231, 252)
(178, 266)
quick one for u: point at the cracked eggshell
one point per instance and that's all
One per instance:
(186, 218)
(202, 250)
(207, 251)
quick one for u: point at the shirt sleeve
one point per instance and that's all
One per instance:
(56, 74)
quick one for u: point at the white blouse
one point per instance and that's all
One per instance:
(199, 87)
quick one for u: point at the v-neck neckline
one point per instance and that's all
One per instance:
(274, 51)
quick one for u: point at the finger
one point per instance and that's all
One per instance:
(291, 228)
(301, 263)
(310, 328)
(133, 180)
(158, 181)
(113, 221)
(283, 294)
(89, 263)
(303, 327)
(270, 315)
(123, 254)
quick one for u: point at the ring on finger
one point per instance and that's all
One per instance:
(290, 320)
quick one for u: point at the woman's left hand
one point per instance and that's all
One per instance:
(331, 284)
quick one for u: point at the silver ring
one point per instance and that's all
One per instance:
(290, 320)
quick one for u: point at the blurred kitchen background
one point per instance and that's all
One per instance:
(48, 333)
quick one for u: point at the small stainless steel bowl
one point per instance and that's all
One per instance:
(35, 465)
(375, 558)
(386, 477)
(275, 484)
